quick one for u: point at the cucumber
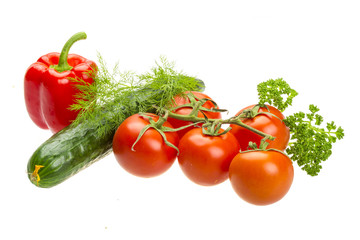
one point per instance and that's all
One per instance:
(65, 154)
(76, 147)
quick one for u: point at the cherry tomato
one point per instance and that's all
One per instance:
(261, 177)
(266, 123)
(179, 100)
(152, 156)
(205, 159)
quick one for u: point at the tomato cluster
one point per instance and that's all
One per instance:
(147, 146)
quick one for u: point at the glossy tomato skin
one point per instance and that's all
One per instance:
(205, 159)
(152, 156)
(179, 100)
(265, 123)
(261, 177)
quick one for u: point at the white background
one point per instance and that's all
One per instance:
(232, 46)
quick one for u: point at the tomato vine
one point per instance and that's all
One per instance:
(310, 144)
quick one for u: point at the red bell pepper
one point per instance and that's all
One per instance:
(49, 90)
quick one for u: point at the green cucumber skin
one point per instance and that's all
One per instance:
(66, 153)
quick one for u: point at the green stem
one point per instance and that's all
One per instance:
(233, 120)
(158, 126)
(240, 123)
(63, 64)
(161, 120)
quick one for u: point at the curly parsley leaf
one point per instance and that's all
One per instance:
(310, 143)
(273, 92)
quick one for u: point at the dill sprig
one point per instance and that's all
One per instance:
(116, 95)
(310, 143)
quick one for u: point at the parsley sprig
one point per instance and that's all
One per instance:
(273, 92)
(310, 143)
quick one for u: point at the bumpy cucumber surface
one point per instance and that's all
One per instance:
(65, 154)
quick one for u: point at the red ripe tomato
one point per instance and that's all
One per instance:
(205, 159)
(261, 177)
(152, 156)
(266, 123)
(179, 100)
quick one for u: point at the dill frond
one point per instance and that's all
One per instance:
(116, 95)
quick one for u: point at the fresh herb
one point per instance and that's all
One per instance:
(273, 93)
(101, 102)
(310, 143)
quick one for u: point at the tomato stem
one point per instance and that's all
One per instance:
(233, 120)
(158, 126)
(255, 149)
(161, 120)
(253, 112)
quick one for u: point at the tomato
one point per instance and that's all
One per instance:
(261, 177)
(205, 159)
(268, 124)
(179, 100)
(152, 156)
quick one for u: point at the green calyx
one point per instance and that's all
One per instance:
(63, 64)
(197, 106)
(251, 112)
(252, 147)
(254, 112)
(159, 127)
(213, 129)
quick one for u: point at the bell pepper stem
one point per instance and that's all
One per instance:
(63, 64)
